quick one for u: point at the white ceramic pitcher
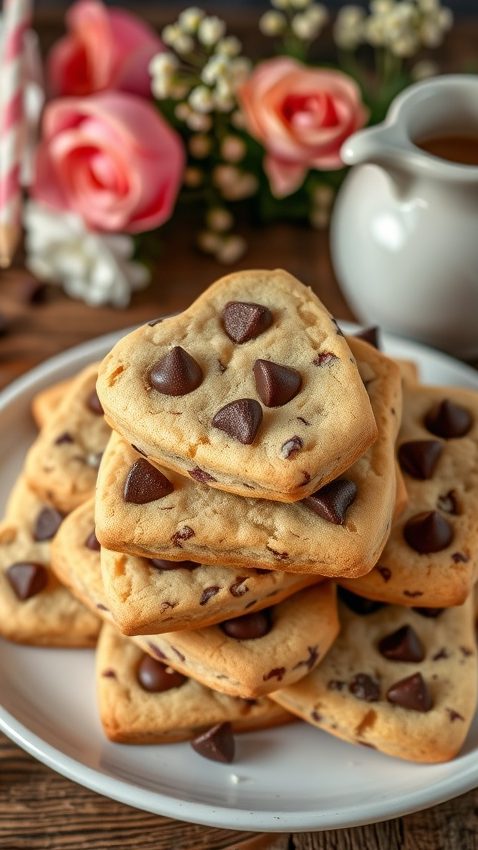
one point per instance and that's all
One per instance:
(404, 233)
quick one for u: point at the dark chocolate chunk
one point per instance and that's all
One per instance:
(184, 533)
(249, 626)
(460, 558)
(276, 384)
(358, 604)
(157, 651)
(208, 593)
(448, 420)
(64, 438)
(324, 358)
(155, 322)
(156, 677)
(385, 572)
(454, 715)
(172, 565)
(109, 674)
(335, 685)
(448, 503)
(177, 373)
(370, 335)
(365, 687)
(92, 542)
(311, 660)
(413, 594)
(411, 693)
(419, 457)
(276, 673)
(240, 419)
(431, 613)
(440, 655)
(291, 447)
(145, 483)
(337, 328)
(217, 744)
(47, 524)
(94, 404)
(27, 578)
(428, 532)
(304, 421)
(243, 320)
(402, 645)
(238, 587)
(332, 501)
(200, 475)
(281, 556)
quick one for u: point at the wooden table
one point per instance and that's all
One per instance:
(40, 810)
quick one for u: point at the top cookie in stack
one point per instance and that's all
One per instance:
(253, 390)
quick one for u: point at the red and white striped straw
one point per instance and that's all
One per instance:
(16, 20)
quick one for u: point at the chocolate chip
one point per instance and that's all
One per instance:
(92, 542)
(419, 457)
(335, 685)
(155, 322)
(324, 358)
(64, 438)
(32, 291)
(222, 368)
(311, 660)
(337, 328)
(243, 320)
(172, 565)
(454, 715)
(359, 604)
(447, 419)
(145, 483)
(332, 501)
(428, 532)
(109, 674)
(431, 613)
(448, 503)
(94, 404)
(304, 421)
(402, 645)
(27, 578)
(238, 588)
(385, 572)
(177, 373)
(249, 626)
(364, 687)
(291, 447)
(184, 533)
(140, 451)
(157, 651)
(441, 654)
(370, 335)
(466, 651)
(276, 673)
(460, 558)
(47, 524)
(276, 384)
(240, 419)
(101, 607)
(200, 475)
(155, 677)
(315, 715)
(413, 594)
(217, 744)
(411, 693)
(208, 593)
(281, 556)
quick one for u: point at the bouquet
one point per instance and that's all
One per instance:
(136, 126)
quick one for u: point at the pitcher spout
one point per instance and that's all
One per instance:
(378, 145)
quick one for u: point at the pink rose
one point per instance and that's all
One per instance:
(301, 116)
(112, 159)
(106, 48)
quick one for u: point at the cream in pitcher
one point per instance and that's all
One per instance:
(405, 225)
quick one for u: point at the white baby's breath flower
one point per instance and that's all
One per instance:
(239, 70)
(163, 63)
(317, 15)
(244, 186)
(349, 27)
(225, 175)
(229, 46)
(224, 96)
(238, 120)
(219, 219)
(92, 266)
(300, 4)
(199, 122)
(231, 249)
(200, 145)
(272, 23)
(381, 7)
(405, 46)
(208, 242)
(431, 34)
(424, 69)
(428, 5)
(211, 30)
(201, 99)
(184, 44)
(215, 68)
(445, 19)
(320, 217)
(233, 149)
(375, 30)
(170, 33)
(303, 27)
(162, 68)
(193, 177)
(281, 4)
(190, 18)
(323, 195)
(182, 111)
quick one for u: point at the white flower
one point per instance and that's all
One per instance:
(225, 175)
(303, 27)
(170, 33)
(272, 23)
(239, 70)
(244, 186)
(300, 4)
(162, 68)
(281, 4)
(224, 96)
(424, 69)
(319, 218)
(182, 111)
(219, 219)
(190, 19)
(208, 242)
(348, 28)
(233, 149)
(238, 120)
(229, 46)
(92, 266)
(184, 44)
(193, 177)
(215, 68)
(201, 99)
(323, 195)
(200, 145)
(199, 122)
(381, 7)
(231, 250)
(317, 15)
(211, 30)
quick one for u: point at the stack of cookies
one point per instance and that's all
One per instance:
(283, 526)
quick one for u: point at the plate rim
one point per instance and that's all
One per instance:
(225, 816)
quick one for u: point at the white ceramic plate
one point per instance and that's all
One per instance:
(296, 778)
